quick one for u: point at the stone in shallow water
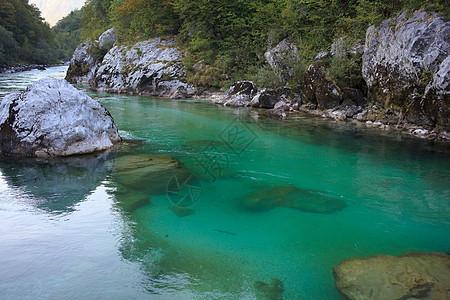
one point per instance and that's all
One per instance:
(182, 211)
(150, 174)
(292, 197)
(129, 201)
(414, 275)
(271, 291)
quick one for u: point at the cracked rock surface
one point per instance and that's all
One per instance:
(52, 118)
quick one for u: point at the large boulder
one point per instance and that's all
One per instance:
(318, 89)
(52, 118)
(82, 65)
(266, 98)
(282, 59)
(406, 66)
(409, 276)
(239, 94)
(107, 39)
(88, 56)
(150, 67)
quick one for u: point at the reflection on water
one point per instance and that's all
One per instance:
(56, 185)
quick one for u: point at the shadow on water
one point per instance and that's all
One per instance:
(56, 185)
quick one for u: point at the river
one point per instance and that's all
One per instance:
(68, 231)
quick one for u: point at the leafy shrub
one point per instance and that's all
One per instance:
(345, 70)
(263, 76)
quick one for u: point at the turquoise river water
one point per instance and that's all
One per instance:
(70, 230)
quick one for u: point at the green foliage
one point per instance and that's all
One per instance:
(97, 52)
(25, 37)
(95, 18)
(345, 71)
(263, 76)
(426, 76)
(201, 75)
(230, 37)
(68, 34)
(8, 47)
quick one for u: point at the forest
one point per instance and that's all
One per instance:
(229, 37)
(25, 38)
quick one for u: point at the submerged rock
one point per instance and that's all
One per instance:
(130, 200)
(406, 66)
(272, 291)
(150, 174)
(412, 275)
(52, 118)
(292, 197)
(276, 113)
(180, 211)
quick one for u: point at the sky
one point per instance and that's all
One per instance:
(54, 10)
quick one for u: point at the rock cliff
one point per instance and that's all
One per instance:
(153, 67)
(406, 67)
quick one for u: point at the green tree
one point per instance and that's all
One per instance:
(8, 47)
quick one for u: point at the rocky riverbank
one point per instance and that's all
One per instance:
(401, 82)
(23, 68)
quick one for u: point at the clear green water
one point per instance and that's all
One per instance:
(66, 231)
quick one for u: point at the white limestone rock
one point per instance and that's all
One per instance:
(152, 67)
(406, 63)
(52, 118)
(107, 39)
(282, 59)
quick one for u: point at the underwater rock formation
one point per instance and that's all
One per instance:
(129, 200)
(180, 211)
(292, 197)
(272, 291)
(414, 275)
(149, 174)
